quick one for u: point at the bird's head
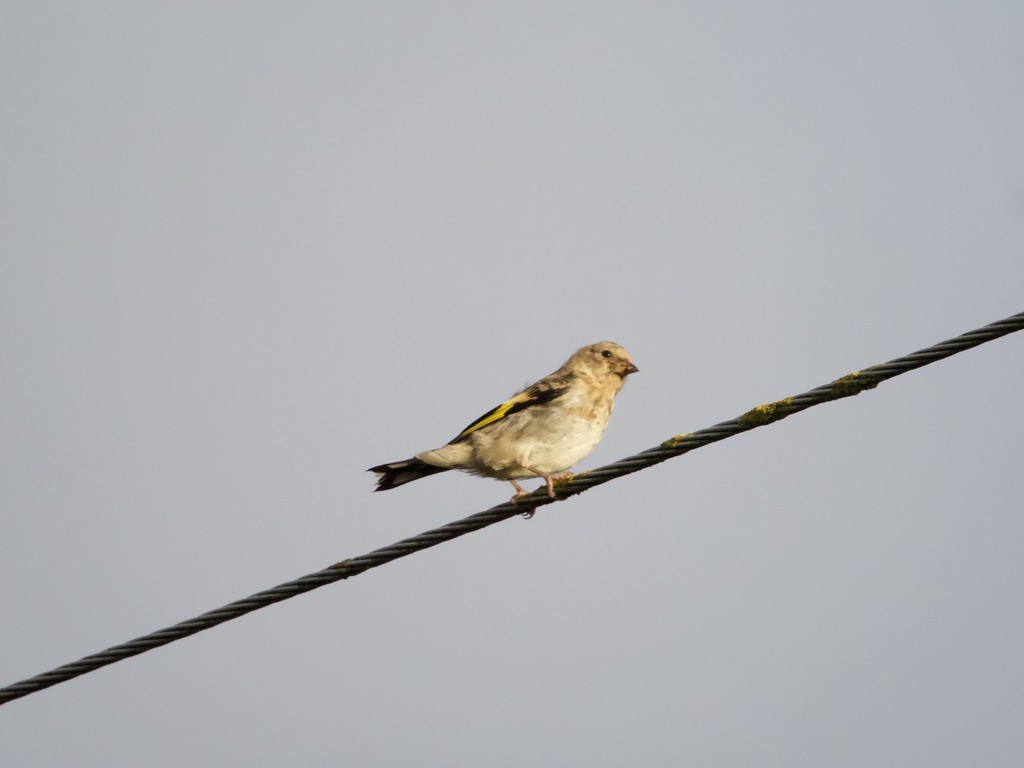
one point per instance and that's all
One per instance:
(603, 359)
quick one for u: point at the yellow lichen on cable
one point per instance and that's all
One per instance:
(675, 440)
(767, 413)
(852, 384)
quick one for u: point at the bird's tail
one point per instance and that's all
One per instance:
(401, 472)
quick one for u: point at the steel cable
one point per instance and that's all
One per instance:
(846, 386)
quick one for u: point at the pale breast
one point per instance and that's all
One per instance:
(545, 440)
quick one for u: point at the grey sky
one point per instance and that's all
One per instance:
(250, 250)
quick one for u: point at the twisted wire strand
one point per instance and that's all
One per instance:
(845, 386)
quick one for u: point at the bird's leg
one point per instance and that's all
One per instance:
(520, 492)
(548, 479)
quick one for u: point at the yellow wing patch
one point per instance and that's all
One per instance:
(542, 392)
(496, 414)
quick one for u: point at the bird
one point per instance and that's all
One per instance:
(541, 431)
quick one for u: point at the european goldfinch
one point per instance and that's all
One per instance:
(541, 431)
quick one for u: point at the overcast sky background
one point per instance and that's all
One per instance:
(250, 249)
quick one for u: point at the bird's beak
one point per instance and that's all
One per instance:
(630, 369)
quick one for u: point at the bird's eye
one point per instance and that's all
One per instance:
(606, 353)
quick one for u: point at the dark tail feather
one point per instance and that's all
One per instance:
(401, 472)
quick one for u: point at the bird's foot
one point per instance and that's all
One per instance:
(520, 492)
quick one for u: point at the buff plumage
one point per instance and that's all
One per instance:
(541, 431)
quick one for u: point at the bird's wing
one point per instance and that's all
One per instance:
(541, 392)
